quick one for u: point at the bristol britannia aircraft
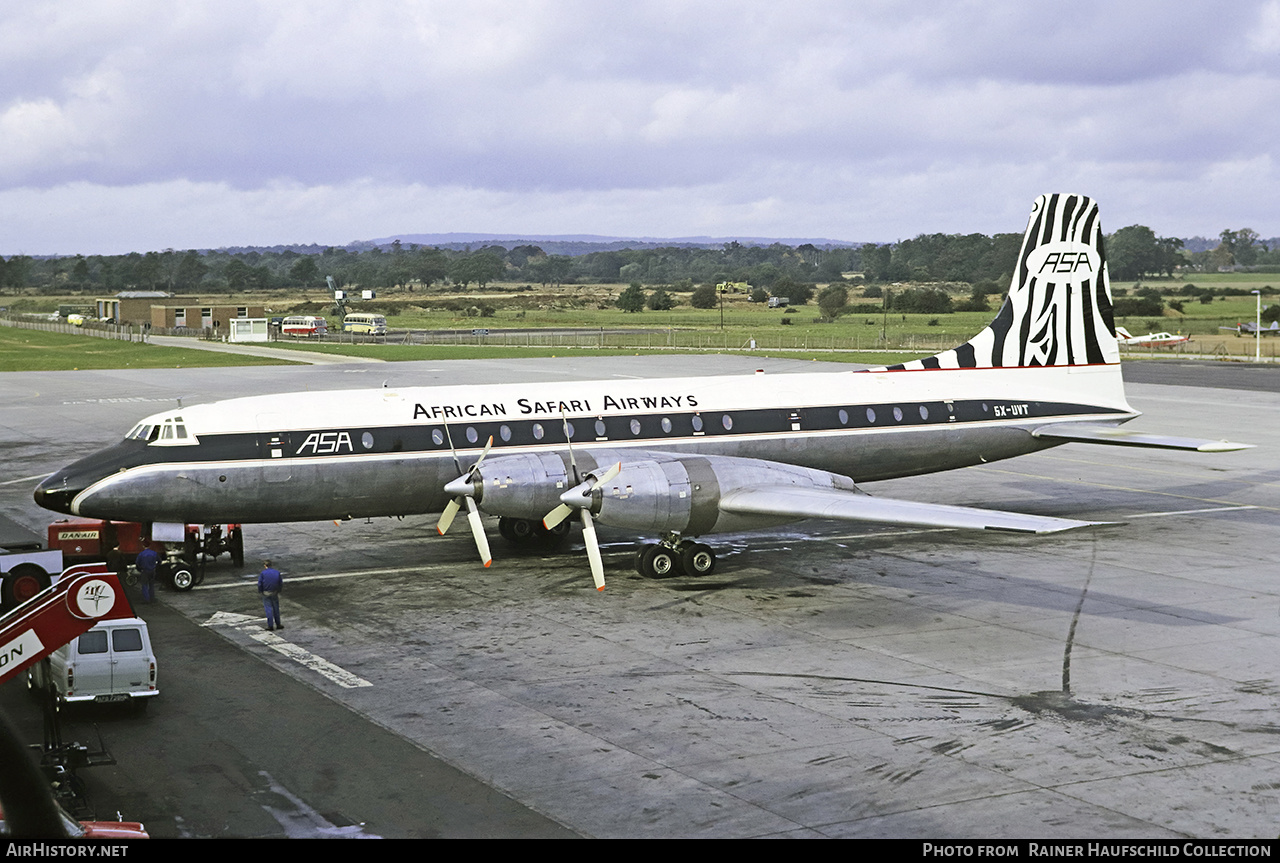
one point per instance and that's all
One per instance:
(679, 458)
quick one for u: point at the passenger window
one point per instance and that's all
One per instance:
(844, 417)
(437, 436)
(504, 432)
(727, 422)
(666, 424)
(635, 427)
(126, 640)
(472, 435)
(697, 423)
(897, 414)
(538, 431)
(92, 642)
(600, 428)
(871, 415)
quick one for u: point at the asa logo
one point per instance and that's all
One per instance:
(1064, 263)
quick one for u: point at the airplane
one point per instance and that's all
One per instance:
(678, 458)
(1150, 340)
(1250, 328)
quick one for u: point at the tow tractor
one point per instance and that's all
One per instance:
(82, 596)
(118, 543)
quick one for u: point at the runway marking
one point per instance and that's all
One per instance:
(1193, 511)
(302, 656)
(293, 579)
(24, 479)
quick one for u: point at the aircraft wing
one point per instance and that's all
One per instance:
(800, 502)
(1116, 436)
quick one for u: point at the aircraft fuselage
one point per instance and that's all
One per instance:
(311, 456)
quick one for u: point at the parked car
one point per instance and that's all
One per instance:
(113, 662)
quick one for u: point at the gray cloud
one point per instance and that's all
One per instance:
(866, 121)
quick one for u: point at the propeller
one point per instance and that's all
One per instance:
(579, 498)
(462, 489)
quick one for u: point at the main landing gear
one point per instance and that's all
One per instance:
(674, 556)
(527, 532)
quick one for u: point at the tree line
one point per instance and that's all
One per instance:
(1134, 253)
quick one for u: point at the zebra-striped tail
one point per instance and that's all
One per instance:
(1058, 312)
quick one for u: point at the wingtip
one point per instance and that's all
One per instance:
(1225, 446)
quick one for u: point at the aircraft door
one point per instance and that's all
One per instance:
(274, 447)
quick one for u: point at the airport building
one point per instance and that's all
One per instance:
(191, 313)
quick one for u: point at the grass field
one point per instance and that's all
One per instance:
(33, 350)
(524, 320)
(406, 353)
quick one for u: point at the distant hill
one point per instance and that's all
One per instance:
(582, 244)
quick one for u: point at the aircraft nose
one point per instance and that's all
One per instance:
(55, 493)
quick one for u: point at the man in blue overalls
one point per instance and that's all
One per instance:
(269, 584)
(146, 562)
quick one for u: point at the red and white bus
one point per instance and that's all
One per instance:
(303, 326)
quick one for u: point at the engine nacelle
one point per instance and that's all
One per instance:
(529, 486)
(682, 494)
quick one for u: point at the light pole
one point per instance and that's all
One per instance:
(1257, 334)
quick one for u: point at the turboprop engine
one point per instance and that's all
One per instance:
(517, 486)
(682, 494)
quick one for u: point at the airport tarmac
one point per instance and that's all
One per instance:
(828, 680)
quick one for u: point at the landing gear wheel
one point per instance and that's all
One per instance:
(235, 544)
(182, 579)
(504, 529)
(657, 561)
(553, 536)
(523, 530)
(697, 559)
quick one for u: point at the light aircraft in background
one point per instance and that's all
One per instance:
(1250, 328)
(1150, 340)
(677, 458)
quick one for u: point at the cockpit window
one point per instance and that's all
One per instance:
(165, 431)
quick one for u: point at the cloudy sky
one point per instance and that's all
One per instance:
(132, 126)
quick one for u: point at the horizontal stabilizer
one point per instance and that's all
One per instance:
(1116, 436)
(799, 502)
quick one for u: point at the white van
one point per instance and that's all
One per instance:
(113, 662)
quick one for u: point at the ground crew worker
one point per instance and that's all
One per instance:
(147, 561)
(270, 581)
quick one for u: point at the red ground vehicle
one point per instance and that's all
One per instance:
(84, 540)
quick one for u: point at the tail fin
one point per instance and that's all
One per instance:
(1058, 312)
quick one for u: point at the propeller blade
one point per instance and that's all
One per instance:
(446, 517)
(557, 515)
(477, 531)
(460, 488)
(593, 549)
(608, 475)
